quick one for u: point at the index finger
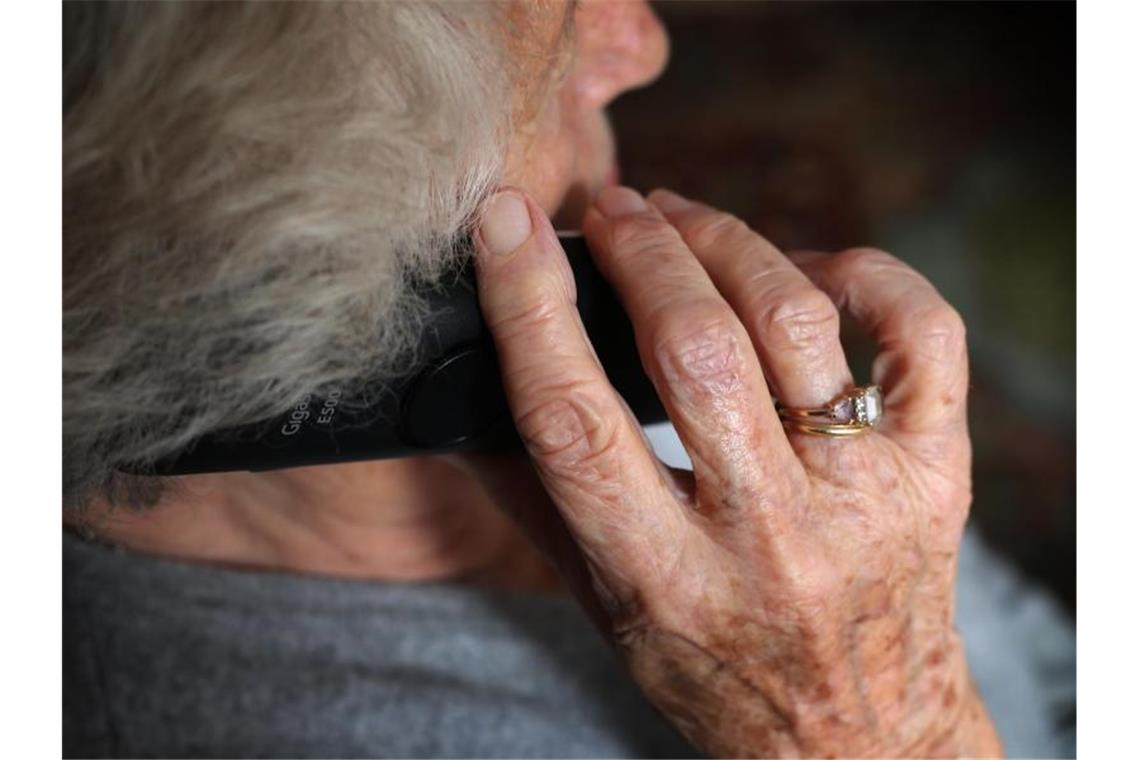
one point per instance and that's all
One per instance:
(588, 450)
(697, 353)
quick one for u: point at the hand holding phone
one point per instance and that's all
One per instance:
(793, 594)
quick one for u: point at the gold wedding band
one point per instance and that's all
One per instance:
(850, 414)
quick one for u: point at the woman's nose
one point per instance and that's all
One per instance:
(620, 45)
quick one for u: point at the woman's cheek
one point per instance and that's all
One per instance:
(549, 175)
(543, 158)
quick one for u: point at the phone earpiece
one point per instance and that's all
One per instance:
(450, 399)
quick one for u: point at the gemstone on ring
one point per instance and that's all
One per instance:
(862, 406)
(869, 405)
(843, 410)
(851, 414)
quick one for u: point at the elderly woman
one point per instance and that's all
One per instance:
(248, 192)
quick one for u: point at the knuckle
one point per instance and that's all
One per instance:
(541, 307)
(706, 361)
(940, 333)
(568, 435)
(714, 228)
(802, 319)
(638, 233)
(865, 261)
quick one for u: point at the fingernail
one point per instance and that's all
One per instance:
(668, 202)
(619, 201)
(506, 223)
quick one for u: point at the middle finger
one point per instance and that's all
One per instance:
(694, 348)
(794, 324)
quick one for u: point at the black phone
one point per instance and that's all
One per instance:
(450, 399)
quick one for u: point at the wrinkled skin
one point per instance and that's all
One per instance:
(793, 595)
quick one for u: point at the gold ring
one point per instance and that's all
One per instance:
(850, 414)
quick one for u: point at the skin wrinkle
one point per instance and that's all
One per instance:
(706, 362)
(794, 324)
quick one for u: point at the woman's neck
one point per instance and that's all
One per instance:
(396, 520)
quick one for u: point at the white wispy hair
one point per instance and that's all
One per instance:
(247, 190)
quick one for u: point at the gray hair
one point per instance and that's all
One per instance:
(247, 190)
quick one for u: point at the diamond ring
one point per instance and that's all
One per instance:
(852, 413)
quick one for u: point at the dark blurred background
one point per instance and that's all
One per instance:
(944, 133)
